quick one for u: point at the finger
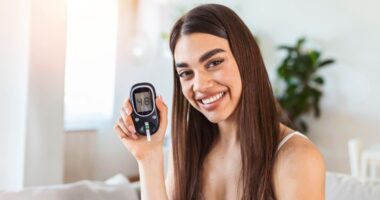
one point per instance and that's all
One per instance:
(127, 106)
(120, 132)
(130, 128)
(126, 115)
(128, 141)
(128, 123)
(163, 109)
(135, 136)
(123, 127)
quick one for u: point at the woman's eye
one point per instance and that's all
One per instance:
(215, 63)
(185, 74)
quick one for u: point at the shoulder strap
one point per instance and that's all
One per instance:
(286, 138)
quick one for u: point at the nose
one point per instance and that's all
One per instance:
(202, 82)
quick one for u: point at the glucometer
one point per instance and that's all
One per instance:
(145, 114)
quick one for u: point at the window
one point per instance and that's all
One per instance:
(90, 62)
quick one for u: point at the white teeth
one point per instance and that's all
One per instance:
(212, 99)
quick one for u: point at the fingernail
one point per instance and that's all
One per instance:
(132, 129)
(127, 111)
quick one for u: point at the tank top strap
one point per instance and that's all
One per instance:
(286, 138)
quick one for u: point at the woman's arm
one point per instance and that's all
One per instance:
(299, 171)
(149, 154)
(152, 176)
(155, 184)
(169, 182)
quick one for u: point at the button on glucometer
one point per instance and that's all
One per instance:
(137, 119)
(154, 116)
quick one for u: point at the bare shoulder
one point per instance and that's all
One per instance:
(299, 170)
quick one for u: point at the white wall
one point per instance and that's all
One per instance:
(44, 146)
(14, 27)
(111, 157)
(32, 48)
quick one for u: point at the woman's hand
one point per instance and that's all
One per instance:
(138, 145)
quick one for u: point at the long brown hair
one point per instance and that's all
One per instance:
(258, 124)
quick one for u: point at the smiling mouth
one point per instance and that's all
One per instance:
(212, 99)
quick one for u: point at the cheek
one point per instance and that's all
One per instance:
(186, 90)
(188, 93)
(231, 77)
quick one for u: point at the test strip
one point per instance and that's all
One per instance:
(147, 130)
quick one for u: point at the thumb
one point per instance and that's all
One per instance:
(163, 113)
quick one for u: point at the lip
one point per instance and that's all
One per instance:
(212, 105)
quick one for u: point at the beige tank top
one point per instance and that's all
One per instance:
(286, 138)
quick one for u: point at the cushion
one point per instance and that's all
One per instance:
(115, 188)
(343, 186)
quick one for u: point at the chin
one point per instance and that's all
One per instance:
(215, 118)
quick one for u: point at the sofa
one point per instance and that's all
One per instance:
(115, 188)
(338, 187)
(346, 187)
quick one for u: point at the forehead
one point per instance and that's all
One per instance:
(192, 46)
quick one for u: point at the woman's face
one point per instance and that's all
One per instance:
(209, 75)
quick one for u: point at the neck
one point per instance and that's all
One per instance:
(228, 132)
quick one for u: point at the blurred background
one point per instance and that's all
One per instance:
(67, 65)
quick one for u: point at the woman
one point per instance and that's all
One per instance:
(227, 140)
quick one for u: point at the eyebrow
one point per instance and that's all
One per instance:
(203, 58)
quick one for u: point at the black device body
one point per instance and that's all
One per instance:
(143, 100)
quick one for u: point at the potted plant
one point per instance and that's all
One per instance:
(303, 85)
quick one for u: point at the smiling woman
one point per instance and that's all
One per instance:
(228, 142)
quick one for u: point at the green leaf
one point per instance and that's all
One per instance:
(314, 56)
(300, 42)
(288, 48)
(326, 62)
(319, 80)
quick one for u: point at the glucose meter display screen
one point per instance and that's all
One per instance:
(143, 101)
